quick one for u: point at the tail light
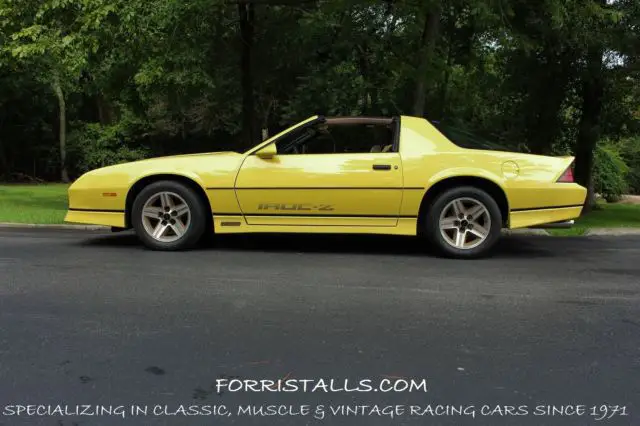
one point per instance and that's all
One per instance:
(567, 176)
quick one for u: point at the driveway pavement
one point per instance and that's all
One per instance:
(93, 318)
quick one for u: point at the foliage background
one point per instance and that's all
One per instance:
(86, 83)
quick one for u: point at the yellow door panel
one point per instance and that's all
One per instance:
(366, 189)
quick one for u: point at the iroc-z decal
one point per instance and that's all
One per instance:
(296, 207)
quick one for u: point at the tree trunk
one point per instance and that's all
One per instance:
(105, 111)
(62, 135)
(363, 63)
(589, 129)
(444, 90)
(546, 98)
(5, 170)
(4, 163)
(427, 44)
(265, 119)
(249, 126)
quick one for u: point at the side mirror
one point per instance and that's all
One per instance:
(268, 151)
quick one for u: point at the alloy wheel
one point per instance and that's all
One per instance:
(465, 223)
(166, 217)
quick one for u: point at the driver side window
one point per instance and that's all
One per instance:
(342, 138)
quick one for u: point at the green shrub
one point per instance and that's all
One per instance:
(629, 149)
(92, 145)
(609, 173)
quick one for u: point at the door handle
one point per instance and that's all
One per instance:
(382, 167)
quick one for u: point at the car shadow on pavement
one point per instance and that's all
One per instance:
(368, 244)
(507, 247)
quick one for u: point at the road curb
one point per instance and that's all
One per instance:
(54, 226)
(525, 231)
(612, 231)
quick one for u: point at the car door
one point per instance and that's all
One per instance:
(317, 189)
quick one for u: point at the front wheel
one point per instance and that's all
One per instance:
(168, 215)
(463, 222)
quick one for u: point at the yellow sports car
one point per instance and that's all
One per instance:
(398, 176)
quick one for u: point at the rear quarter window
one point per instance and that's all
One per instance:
(467, 139)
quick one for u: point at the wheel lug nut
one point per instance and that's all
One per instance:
(166, 209)
(469, 217)
(461, 216)
(174, 213)
(173, 222)
(456, 223)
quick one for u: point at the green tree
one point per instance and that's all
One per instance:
(46, 37)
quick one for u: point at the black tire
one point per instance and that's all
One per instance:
(197, 211)
(432, 222)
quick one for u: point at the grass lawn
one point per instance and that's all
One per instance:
(33, 203)
(606, 216)
(612, 216)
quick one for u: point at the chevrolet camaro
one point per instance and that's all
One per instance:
(347, 175)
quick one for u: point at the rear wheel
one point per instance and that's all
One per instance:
(168, 215)
(463, 222)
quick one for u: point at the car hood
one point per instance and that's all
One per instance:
(198, 155)
(173, 161)
(195, 166)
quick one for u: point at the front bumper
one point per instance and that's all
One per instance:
(93, 217)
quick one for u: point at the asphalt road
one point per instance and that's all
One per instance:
(90, 318)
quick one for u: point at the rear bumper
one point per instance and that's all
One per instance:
(543, 217)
